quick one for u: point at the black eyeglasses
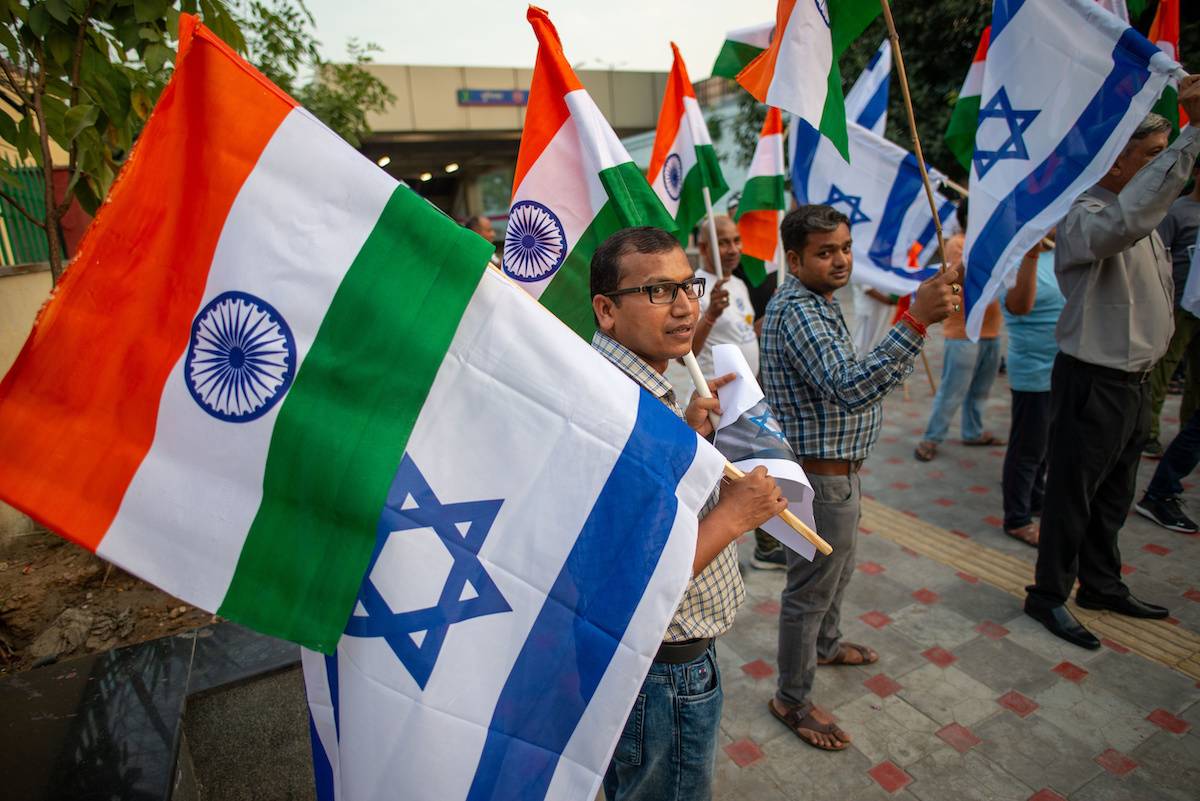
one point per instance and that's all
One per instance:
(665, 292)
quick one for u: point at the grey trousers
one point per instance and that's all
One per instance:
(812, 599)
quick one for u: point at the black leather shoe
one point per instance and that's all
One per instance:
(1127, 605)
(1059, 621)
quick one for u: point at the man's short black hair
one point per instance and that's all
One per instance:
(804, 220)
(606, 261)
(475, 222)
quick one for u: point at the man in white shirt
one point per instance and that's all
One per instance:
(726, 314)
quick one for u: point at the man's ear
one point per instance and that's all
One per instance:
(603, 307)
(793, 262)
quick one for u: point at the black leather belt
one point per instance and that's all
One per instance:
(1112, 373)
(679, 653)
(830, 467)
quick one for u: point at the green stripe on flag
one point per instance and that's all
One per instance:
(734, 56)
(345, 422)
(705, 172)
(754, 269)
(960, 133)
(763, 193)
(631, 202)
(833, 115)
(1168, 106)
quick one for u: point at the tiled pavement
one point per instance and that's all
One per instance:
(970, 699)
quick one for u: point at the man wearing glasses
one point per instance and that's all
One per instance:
(647, 302)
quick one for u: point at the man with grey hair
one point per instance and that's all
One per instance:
(829, 400)
(1116, 277)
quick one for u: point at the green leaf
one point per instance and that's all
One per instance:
(156, 56)
(54, 111)
(107, 85)
(8, 129)
(78, 118)
(60, 45)
(78, 6)
(149, 10)
(39, 21)
(59, 10)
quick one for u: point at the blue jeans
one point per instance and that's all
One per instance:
(968, 370)
(669, 745)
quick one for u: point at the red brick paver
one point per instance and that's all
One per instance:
(993, 631)
(875, 619)
(978, 490)
(1046, 795)
(758, 669)
(967, 577)
(882, 685)
(1018, 704)
(958, 737)
(1192, 595)
(1157, 550)
(944, 502)
(888, 776)
(926, 596)
(1127, 569)
(1165, 720)
(744, 752)
(767, 607)
(1115, 762)
(871, 568)
(940, 656)
(1070, 671)
(1113, 646)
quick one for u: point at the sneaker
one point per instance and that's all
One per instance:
(1153, 449)
(1167, 512)
(774, 559)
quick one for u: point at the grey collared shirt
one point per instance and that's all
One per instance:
(1113, 269)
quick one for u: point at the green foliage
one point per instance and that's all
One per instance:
(84, 75)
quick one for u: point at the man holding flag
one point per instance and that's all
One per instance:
(646, 302)
(829, 401)
(1116, 324)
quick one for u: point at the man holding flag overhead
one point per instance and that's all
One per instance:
(1116, 324)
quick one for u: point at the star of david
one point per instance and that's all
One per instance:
(762, 421)
(852, 202)
(1016, 120)
(416, 636)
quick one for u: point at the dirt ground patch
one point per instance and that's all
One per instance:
(58, 600)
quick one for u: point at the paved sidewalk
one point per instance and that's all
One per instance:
(970, 699)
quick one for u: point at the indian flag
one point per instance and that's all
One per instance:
(1164, 32)
(218, 395)
(799, 72)
(575, 184)
(683, 163)
(741, 47)
(763, 202)
(964, 119)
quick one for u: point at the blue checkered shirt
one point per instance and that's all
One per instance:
(715, 593)
(828, 400)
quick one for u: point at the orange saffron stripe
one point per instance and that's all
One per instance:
(756, 76)
(78, 408)
(553, 78)
(679, 86)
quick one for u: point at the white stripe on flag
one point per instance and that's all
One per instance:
(280, 246)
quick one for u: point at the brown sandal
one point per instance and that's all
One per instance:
(808, 728)
(1027, 533)
(867, 656)
(926, 450)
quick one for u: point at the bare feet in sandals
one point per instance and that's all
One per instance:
(926, 450)
(1027, 533)
(986, 438)
(813, 727)
(851, 653)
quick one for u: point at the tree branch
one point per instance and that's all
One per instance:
(12, 201)
(73, 150)
(18, 88)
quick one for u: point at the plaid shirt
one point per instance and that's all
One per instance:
(828, 400)
(713, 596)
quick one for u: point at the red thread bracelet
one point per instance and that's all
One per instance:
(912, 322)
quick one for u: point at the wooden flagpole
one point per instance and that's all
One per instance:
(912, 125)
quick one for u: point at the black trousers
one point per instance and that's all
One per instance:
(1024, 479)
(1099, 421)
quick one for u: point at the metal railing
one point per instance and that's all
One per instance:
(22, 242)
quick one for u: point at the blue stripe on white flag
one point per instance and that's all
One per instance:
(322, 770)
(805, 141)
(588, 610)
(875, 109)
(905, 188)
(1069, 159)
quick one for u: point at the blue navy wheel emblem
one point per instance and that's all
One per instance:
(535, 244)
(241, 358)
(673, 176)
(823, 10)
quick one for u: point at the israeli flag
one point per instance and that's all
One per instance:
(536, 541)
(867, 100)
(1052, 120)
(883, 196)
